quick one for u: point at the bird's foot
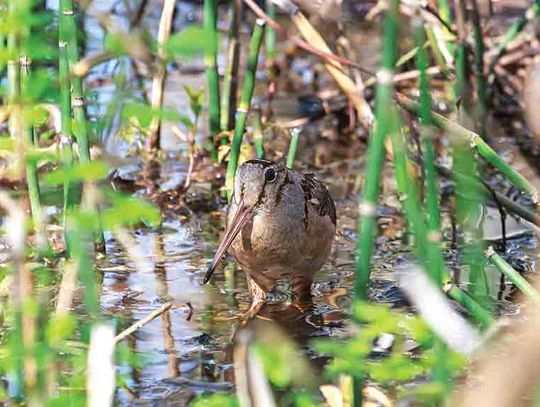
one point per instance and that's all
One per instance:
(303, 305)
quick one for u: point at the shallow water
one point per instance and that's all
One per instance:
(187, 350)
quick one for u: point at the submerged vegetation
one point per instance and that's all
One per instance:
(122, 125)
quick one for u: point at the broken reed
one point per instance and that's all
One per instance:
(230, 81)
(245, 102)
(513, 275)
(474, 142)
(212, 76)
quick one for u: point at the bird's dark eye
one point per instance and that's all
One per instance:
(270, 175)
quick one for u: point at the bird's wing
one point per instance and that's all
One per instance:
(316, 194)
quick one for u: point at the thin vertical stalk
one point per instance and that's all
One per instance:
(258, 134)
(293, 146)
(81, 249)
(212, 77)
(78, 102)
(375, 154)
(66, 138)
(428, 158)
(270, 35)
(32, 180)
(426, 250)
(230, 81)
(468, 198)
(15, 215)
(441, 372)
(245, 102)
(375, 159)
(160, 76)
(479, 49)
(271, 66)
(13, 71)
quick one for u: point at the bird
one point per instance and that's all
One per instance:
(280, 227)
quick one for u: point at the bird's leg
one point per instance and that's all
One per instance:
(258, 298)
(302, 298)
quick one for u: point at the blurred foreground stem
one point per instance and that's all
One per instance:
(66, 138)
(80, 123)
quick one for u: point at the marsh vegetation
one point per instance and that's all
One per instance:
(122, 125)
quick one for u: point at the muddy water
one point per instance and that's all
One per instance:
(186, 351)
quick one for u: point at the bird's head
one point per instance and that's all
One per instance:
(257, 187)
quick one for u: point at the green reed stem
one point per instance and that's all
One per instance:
(479, 314)
(479, 50)
(80, 244)
(230, 81)
(444, 11)
(513, 275)
(468, 198)
(293, 146)
(426, 245)
(13, 98)
(245, 102)
(475, 142)
(428, 161)
(212, 76)
(375, 154)
(32, 179)
(79, 112)
(80, 123)
(507, 203)
(258, 134)
(441, 372)
(66, 139)
(270, 42)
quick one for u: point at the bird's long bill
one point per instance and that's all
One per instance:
(242, 216)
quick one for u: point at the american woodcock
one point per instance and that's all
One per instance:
(280, 227)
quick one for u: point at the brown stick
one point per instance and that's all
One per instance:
(139, 324)
(299, 42)
(335, 69)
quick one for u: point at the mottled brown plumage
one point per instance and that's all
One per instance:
(280, 227)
